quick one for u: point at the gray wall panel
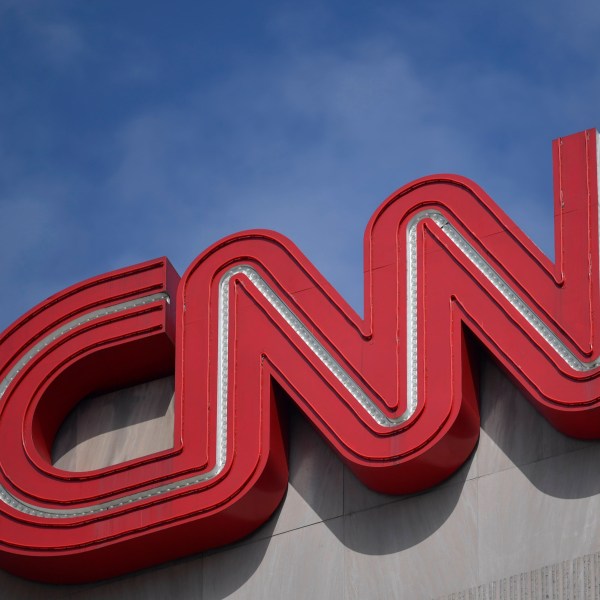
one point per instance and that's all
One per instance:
(577, 579)
(300, 564)
(415, 548)
(512, 432)
(544, 513)
(315, 492)
(176, 581)
(112, 428)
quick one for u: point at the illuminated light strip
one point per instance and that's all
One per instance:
(332, 365)
(509, 294)
(311, 342)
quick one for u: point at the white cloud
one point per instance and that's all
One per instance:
(55, 38)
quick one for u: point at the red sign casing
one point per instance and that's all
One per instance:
(394, 393)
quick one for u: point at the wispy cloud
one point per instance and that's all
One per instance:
(55, 39)
(310, 143)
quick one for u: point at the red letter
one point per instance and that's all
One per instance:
(393, 393)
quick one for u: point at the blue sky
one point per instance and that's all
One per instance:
(131, 130)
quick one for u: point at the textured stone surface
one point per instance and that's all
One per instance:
(306, 563)
(576, 579)
(512, 431)
(15, 588)
(545, 513)
(417, 547)
(315, 492)
(112, 428)
(518, 521)
(176, 581)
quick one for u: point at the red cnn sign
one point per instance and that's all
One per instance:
(393, 393)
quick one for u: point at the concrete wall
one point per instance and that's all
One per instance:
(519, 520)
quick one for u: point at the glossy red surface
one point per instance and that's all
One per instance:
(267, 356)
